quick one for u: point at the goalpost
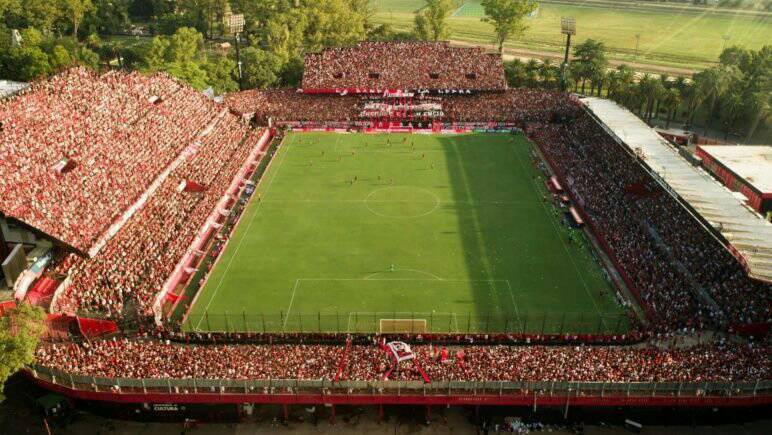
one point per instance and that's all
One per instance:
(402, 326)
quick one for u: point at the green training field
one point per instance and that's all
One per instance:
(471, 8)
(347, 229)
(676, 35)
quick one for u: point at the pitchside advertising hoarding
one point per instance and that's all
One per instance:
(395, 93)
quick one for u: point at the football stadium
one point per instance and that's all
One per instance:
(404, 228)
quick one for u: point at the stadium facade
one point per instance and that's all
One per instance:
(127, 214)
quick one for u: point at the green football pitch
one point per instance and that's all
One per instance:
(347, 231)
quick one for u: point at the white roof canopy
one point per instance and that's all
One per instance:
(753, 163)
(747, 232)
(8, 88)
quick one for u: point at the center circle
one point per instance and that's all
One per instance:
(402, 202)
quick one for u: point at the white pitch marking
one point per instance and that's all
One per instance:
(244, 236)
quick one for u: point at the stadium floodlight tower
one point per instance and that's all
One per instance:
(235, 23)
(568, 28)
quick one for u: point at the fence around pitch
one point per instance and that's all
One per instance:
(440, 388)
(446, 323)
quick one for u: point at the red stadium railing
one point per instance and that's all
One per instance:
(294, 391)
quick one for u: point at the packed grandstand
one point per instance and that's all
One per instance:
(122, 171)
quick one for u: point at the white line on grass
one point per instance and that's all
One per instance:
(292, 299)
(435, 277)
(512, 296)
(458, 11)
(562, 242)
(244, 236)
(402, 279)
(405, 201)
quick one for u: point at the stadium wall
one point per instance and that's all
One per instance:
(294, 392)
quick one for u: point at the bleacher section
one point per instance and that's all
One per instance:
(374, 67)
(82, 153)
(78, 149)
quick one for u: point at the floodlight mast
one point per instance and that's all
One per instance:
(568, 28)
(235, 25)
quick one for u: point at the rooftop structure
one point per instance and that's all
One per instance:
(749, 236)
(747, 169)
(9, 88)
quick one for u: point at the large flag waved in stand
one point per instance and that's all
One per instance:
(400, 351)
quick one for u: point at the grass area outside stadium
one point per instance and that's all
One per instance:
(676, 35)
(346, 231)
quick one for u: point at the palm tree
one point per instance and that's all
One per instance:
(589, 58)
(515, 73)
(598, 78)
(548, 74)
(532, 72)
(646, 91)
(664, 80)
(671, 99)
(621, 88)
(713, 83)
(760, 106)
(732, 106)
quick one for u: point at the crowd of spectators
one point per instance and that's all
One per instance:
(513, 105)
(78, 149)
(684, 275)
(152, 358)
(137, 261)
(404, 65)
(130, 136)
(290, 105)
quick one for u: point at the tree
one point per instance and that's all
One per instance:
(155, 57)
(88, 58)
(532, 73)
(220, 72)
(507, 17)
(185, 45)
(671, 100)
(515, 73)
(189, 72)
(365, 9)
(108, 16)
(712, 83)
(76, 9)
(332, 23)
(549, 74)
(10, 6)
(590, 61)
(731, 110)
(760, 107)
(430, 22)
(60, 57)
(19, 335)
(259, 67)
(42, 14)
(28, 63)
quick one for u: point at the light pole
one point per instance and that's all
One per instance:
(726, 39)
(235, 25)
(568, 28)
(637, 43)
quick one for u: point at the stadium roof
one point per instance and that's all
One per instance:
(751, 163)
(9, 88)
(747, 232)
